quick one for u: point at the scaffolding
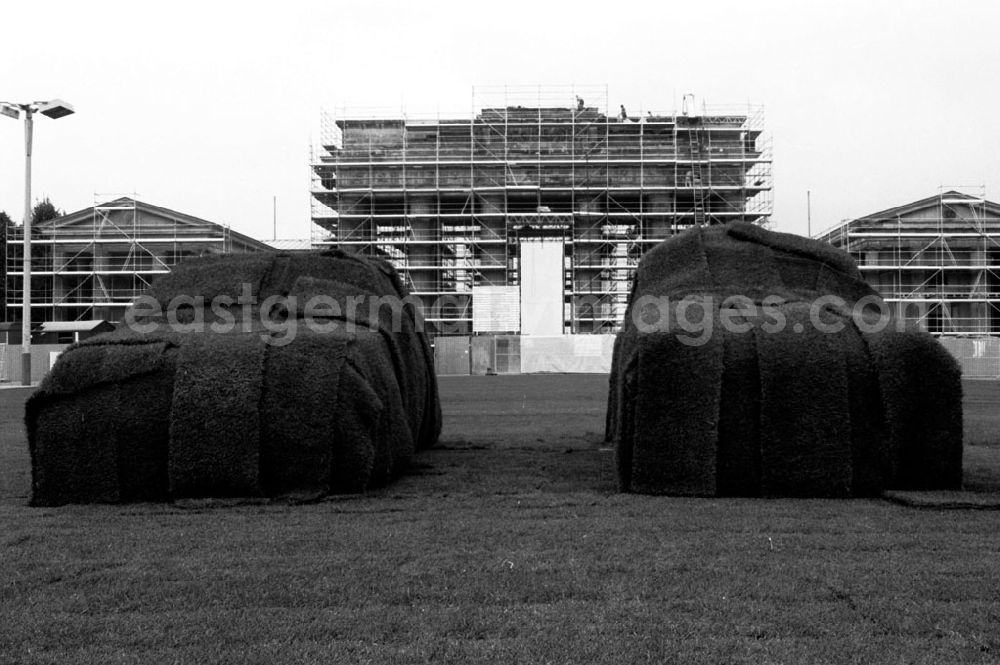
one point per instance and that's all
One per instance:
(936, 261)
(445, 197)
(92, 264)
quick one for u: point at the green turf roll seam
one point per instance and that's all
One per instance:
(74, 448)
(676, 416)
(215, 420)
(359, 457)
(799, 401)
(805, 414)
(920, 384)
(739, 444)
(299, 415)
(226, 412)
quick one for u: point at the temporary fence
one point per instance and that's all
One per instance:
(978, 356)
(42, 358)
(523, 354)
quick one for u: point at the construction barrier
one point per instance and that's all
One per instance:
(496, 354)
(451, 355)
(43, 356)
(571, 354)
(978, 356)
(523, 354)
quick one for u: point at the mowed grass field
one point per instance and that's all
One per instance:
(507, 544)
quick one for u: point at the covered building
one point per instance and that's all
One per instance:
(4, 230)
(91, 264)
(529, 214)
(936, 260)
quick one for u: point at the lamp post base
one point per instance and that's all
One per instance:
(25, 369)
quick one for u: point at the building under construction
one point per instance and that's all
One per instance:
(937, 260)
(529, 214)
(93, 263)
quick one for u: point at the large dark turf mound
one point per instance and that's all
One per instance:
(261, 375)
(792, 389)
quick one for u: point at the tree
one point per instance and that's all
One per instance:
(44, 210)
(5, 221)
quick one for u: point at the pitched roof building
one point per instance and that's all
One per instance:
(91, 264)
(937, 260)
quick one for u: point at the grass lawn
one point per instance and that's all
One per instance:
(507, 544)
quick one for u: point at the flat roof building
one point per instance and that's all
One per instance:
(529, 214)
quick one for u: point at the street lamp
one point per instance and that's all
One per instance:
(55, 109)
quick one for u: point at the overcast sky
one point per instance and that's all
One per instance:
(209, 108)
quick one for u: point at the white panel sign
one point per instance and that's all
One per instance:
(496, 309)
(567, 354)
(541, 270)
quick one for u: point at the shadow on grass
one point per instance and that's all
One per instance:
(480, 471)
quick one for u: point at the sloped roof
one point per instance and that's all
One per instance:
(889, 215)
(290, 244)
(74, 326)
(85, 214)
(951, 195)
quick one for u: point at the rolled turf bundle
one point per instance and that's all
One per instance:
(241, 387)
(783, 385)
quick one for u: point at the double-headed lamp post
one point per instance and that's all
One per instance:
(54, 108)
